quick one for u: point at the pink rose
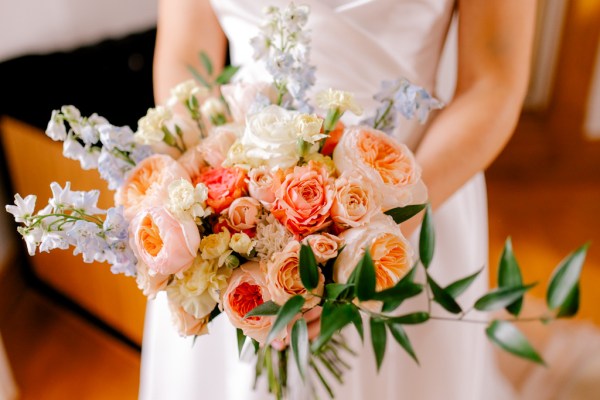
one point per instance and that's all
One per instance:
(215, 147)
(185, 323)
(193, 161)
(391, 252)
(304, 199)
(389, 166)
(244, 213)
(263, 183)
(147, 184)
(246, 290)
(240, 96)
(355, 202)
(165, 244)
(224, 185)
(283, 278)
(325, 246)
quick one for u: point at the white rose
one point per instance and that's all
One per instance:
(270, 137)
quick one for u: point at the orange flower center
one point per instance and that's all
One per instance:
(390, 260)
(150, 236)
(245, 298)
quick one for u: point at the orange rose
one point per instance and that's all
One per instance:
(304, 199)
(389, 166)
(224, 186)
(147, 184)
(283, 278)
(333, 139)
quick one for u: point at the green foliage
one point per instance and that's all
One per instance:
(266, 308)
(241, 339)
(410, 319)
(206, 63)
(563, 291)
(309, 270)
(342, 291)
(508, 337)
(378, 340)
(501, 297)
(285, 315)
(334, 318)
(365, 277)
(458, 287)
(443, 298)
(300, 346)
(226, 75)
(426, 239)
(401, 337)
(401, 214)
(509, 275)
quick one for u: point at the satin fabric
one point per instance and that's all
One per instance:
(355, 45)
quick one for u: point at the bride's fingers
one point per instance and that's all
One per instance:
(313, 314)
(314, 327)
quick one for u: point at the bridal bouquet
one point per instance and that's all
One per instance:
(248, 202)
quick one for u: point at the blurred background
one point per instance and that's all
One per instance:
(73, 330)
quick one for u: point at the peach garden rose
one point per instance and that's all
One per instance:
(165, 244)
(388, 165)
(355, 202)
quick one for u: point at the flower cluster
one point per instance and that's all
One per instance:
(71, 218)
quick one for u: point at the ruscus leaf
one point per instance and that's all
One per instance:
(501, 297)
(206, 63)
(266, 308)
(426, 239)
(335, 290)
(401, 214)
(509, 274)
(565, 278)
(365, 277)
(402, 338)
(228, 73)
(300, 345)
(458, 287)
(378, 340)
(309, 270)
(509, 338)
(241, 339)
(443, 298)
(335, 319)
(410, 319)
(286, 313)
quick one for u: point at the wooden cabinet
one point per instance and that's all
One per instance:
(34, 161)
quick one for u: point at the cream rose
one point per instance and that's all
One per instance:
(325, 246)
(283, 278)
(246, 290)
(165, 244)
(355, 202)
(389, 166)
(270, 138)
(391, 252)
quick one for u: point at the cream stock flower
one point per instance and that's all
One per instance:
(185, 198)
(150, 126)
(213, 107)
(338, 99)
(150, 285)
(183, 91)
(241, 243)
(215, 245)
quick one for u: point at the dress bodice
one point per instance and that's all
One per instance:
(355, 43)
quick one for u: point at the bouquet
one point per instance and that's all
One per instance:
(248, 203)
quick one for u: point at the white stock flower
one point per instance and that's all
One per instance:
(150, 126)
(241, 243)
(308, 127)
(182, 92)
(213, 107)
(338, 99)
(181, 195)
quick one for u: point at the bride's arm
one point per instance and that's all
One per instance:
(494, 49)
(185, 27)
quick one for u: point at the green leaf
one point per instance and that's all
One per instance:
(501, 297)
(401, 214)
(335, 290)
(266, 308)
(410, 319)
(443, 298)
(299, 343)
(402, 338)
(399, 292)
(241, 339)
(199, 77)
(309, 270)
(365, 277)
(378, 339)
(228, 73)
(426, 239)
(564, 279)
(509, 274)
(508, 337)
(332, 321)
(286, 313)
(456, 288)
(357, 321)
(206, 63)
(571, 305)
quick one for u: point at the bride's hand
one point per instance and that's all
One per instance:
(313, 322)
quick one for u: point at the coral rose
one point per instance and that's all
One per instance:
(389, 166)
(333, 139)
(165, 244)
(246, 290)
(304, 199)
(224, 186)
(147, 184)
(283, 278)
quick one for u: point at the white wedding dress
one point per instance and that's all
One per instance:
(355, 45)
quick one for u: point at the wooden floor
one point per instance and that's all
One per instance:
(58, 355)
